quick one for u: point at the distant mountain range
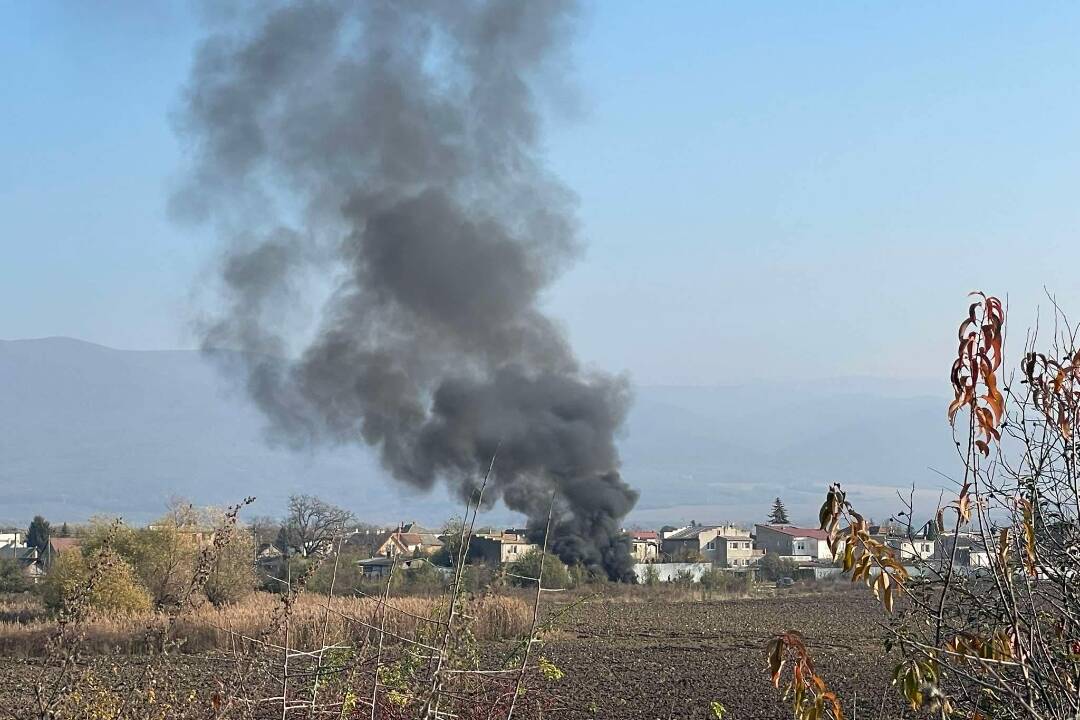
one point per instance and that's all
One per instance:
(88, 430)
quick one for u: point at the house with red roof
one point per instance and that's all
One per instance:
(792, 541)
(644, 545)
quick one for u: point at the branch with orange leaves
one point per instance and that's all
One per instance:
(811, 699)
(1055, 388)
(978, 358)
(860, 553)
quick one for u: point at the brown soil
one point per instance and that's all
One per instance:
(622, 659)
(671, 660)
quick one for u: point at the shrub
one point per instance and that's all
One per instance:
(528, 566)
(772, 566)
(720, 581)
(581, 575)
(652, 576)
(232, 577)
(346, 578)
(423, 577)
(106, 583)
(683, 578)
(477, 578)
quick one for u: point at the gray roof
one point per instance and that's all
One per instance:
(691, 532)
(377, 561)
(15, 552)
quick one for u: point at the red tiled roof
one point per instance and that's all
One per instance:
(644, 535)
(793, 531)
(64, 544)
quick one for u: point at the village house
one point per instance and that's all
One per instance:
(269, 560)
(969, 549)
(407, 540)
(500, 548)
(917, 545)
(908, 548)
(380, 567)
(644, 545)
(28, 559)
(58, 546)
(734, 551)
(376, 567)
(794, 542)
(690, 542)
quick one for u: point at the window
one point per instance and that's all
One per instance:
(746, 545)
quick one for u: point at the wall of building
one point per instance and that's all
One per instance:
(512, 551)
(729, 552)
(772, 541)
(644, 550)
(666, 572)
(496, 551)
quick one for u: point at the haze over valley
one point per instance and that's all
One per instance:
(88, 430)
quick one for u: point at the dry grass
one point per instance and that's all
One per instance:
(238, 627)
(20, 608)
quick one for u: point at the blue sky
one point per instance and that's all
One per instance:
(785, 190)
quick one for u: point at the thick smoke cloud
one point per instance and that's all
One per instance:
(386, 154)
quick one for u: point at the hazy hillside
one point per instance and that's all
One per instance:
(86, 429)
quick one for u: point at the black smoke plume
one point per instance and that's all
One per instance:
(376, 169)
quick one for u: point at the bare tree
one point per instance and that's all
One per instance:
(181, 513)
(264, 529)
(312, 525)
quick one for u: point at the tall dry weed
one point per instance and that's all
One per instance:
(237, 627)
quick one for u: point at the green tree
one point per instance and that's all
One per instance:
(281, 541)
(38, 534)
(528, 566)
(779, 515)
(12, 578)
(447, 555)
